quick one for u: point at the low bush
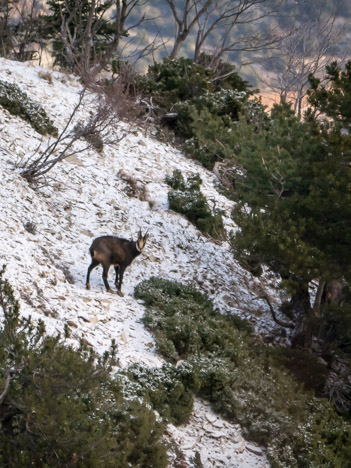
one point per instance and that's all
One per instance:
(198, 104)
(225, 76)
(224, 104)
(61, 407)
(168, 389)
(304, 366)
(18, 103)
(187, 199)
(179, 90)
(243, 379)
(177, 80)
(93, 138)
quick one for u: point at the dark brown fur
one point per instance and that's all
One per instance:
(110, 250)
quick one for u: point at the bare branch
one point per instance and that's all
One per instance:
(8, 374)
(191, 12)
(226, 18)
(307, 50)
(96, 130)
(82, 49)
(265, 297)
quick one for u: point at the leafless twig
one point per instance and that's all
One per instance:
(97, 126)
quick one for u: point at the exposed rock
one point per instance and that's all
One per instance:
(254, 449)
(87, 299)
(211, 417)
(218, 434)
(123, 337)
(237, 437)
(191, 444)
(74, 160)
(72, 324)
(183, 222)
(152, 258)
(85, 319)
(219, 423)
(229, 300)
(86, 232)
(239, 447)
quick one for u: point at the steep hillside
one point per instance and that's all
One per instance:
(46, 231)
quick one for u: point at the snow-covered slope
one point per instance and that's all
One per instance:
(45, 235)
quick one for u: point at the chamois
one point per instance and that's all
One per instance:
(110, 250)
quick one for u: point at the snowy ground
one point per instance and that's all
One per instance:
(87, 197)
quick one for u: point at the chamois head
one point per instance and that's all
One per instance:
(140, 243)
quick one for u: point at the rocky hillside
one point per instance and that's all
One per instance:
(46, 231)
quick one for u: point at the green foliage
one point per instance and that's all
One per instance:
(186, 320)
(187, 90)
(333, 100)
(168, 389)
(209, 128)
(293, 205)
(226, 77)
(336, 325)
(19, 37)
(294, 184)
(176, 181)
(18, 103)
(274, 183)
(77, 15)
(187, 199)
(244, 380)
(206, 132)
(223, 106)
(177, 80)
(304, 366)
(60, 407)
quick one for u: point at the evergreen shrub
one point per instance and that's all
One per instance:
(61, 407)
(187, 199)
(202, 103)
(224, 104)
(209, 130)
(18, 103)
(196, 104)
(169, 390)
(225, 77)
(243, 379)
(177, 80)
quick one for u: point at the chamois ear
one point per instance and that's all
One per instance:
(142, 240)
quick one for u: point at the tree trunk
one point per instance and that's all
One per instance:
(302, 333)
(176, 48)
(318, 299)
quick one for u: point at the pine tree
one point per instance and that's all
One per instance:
(79, 32)
(294, 202)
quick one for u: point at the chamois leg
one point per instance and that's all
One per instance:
(105, 268)
(121, 273)
(117, 275)
(94, 264)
